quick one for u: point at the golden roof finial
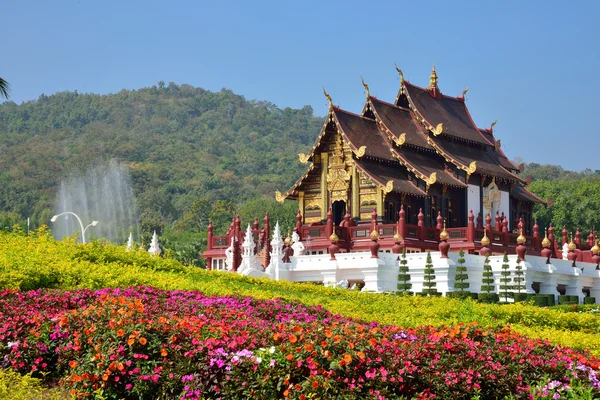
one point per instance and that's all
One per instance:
(328, 97)
(400, 73)
(493, 125)
(464, 92)
(433, 78)
(521, 239)
(444, 235)
(485, 241)
(374, 235)
(366, 87)
(572, 245)
(288, 238)
(546, 242)
(397, 237)
(595, 249)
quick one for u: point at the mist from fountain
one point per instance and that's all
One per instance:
(103, 194)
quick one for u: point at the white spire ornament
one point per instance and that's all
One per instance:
(154, 249)
(129, 242)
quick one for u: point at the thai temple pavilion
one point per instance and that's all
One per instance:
(422, 151)
(404, 171)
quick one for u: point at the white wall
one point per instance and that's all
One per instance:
(474, 200)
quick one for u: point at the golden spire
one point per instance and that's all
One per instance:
(444, 235)
(366, 87)
(521, 239)
(288, 238)
(328, 97)
(595, 249)
(334, 238)
(546, 242)
(400, 73)
(485, 241)
(374, 235)
(397, 237)
(572, 245)
(433, 78)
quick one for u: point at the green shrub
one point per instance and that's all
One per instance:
(488, 298)
(589, 300)
(520, 297)
(567, 299)
(539, 300)
(551, 299)
(462, 295)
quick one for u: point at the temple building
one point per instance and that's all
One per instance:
(422, 151)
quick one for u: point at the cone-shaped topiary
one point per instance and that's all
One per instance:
(404, 284)
(461, 273)
(429, 285)
(505, 286)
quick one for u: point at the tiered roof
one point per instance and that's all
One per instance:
(425, 136)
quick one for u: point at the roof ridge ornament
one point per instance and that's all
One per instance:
(464, 92)
(280, 198)
(493, 124)
(303, 158)
(328, 97)
(399, 73)
(437, 131)
(400, 140)
(366, 87)
(433, 78)
(360, 152)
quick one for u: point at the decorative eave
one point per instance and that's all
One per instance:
(470, 169)
(280, 198)
(388, 187)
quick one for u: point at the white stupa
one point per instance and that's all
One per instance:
(154, 248)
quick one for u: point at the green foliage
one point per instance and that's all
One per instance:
(429, 284)
(404, 284)
(589, 300)
(39, 261)
(487, 281)
(488, 298)
(14, 386)
(519, 280)
(184, 146)
(461, 273)
(505, 286)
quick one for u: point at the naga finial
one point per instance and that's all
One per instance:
(464, 92)
(328, 97)
(366, 87)
(493, 124)
(400, 73)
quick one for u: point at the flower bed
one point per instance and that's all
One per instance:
(141, 342)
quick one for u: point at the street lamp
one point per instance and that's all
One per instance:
(94, 223)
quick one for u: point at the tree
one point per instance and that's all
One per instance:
(488, 277)
(461, 273)
(505, 285)
(519, 281)
(429, 284)
(4, 89)
(404, 284)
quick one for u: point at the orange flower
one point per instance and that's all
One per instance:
(286, 393)
(72, 363)
(120, 332)
(143, 341)
(130, 341)
(293, 338)
(302, 397)
(289, 357)
(163, 352)
(372, 341)
(361, 355)
(347, 358)
(276, 336)
(315, 384)
(309, 347)
(76, 378)
(297, 329)
(328, 333)
(104, 377)
(337, 338)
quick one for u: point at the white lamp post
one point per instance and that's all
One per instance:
(94, 223)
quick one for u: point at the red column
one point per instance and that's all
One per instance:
(439, 220)
(374, 220)
(498, 226)
(402, 222)
(329, 227)
(479, 221)
(488, 223)
(536, 236)
(421, 224)
(471, 228)
(299, 224)
(578, 238)
(565, 233)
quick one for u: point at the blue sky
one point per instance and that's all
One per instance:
(533, 65)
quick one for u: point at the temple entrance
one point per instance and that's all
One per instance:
(338, 208)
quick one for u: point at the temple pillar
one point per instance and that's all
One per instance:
(301, 202)
(380, 197)
(355, 209)
(575, 288)
(324, 192)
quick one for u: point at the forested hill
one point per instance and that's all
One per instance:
(195, 154)
(180, 142)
